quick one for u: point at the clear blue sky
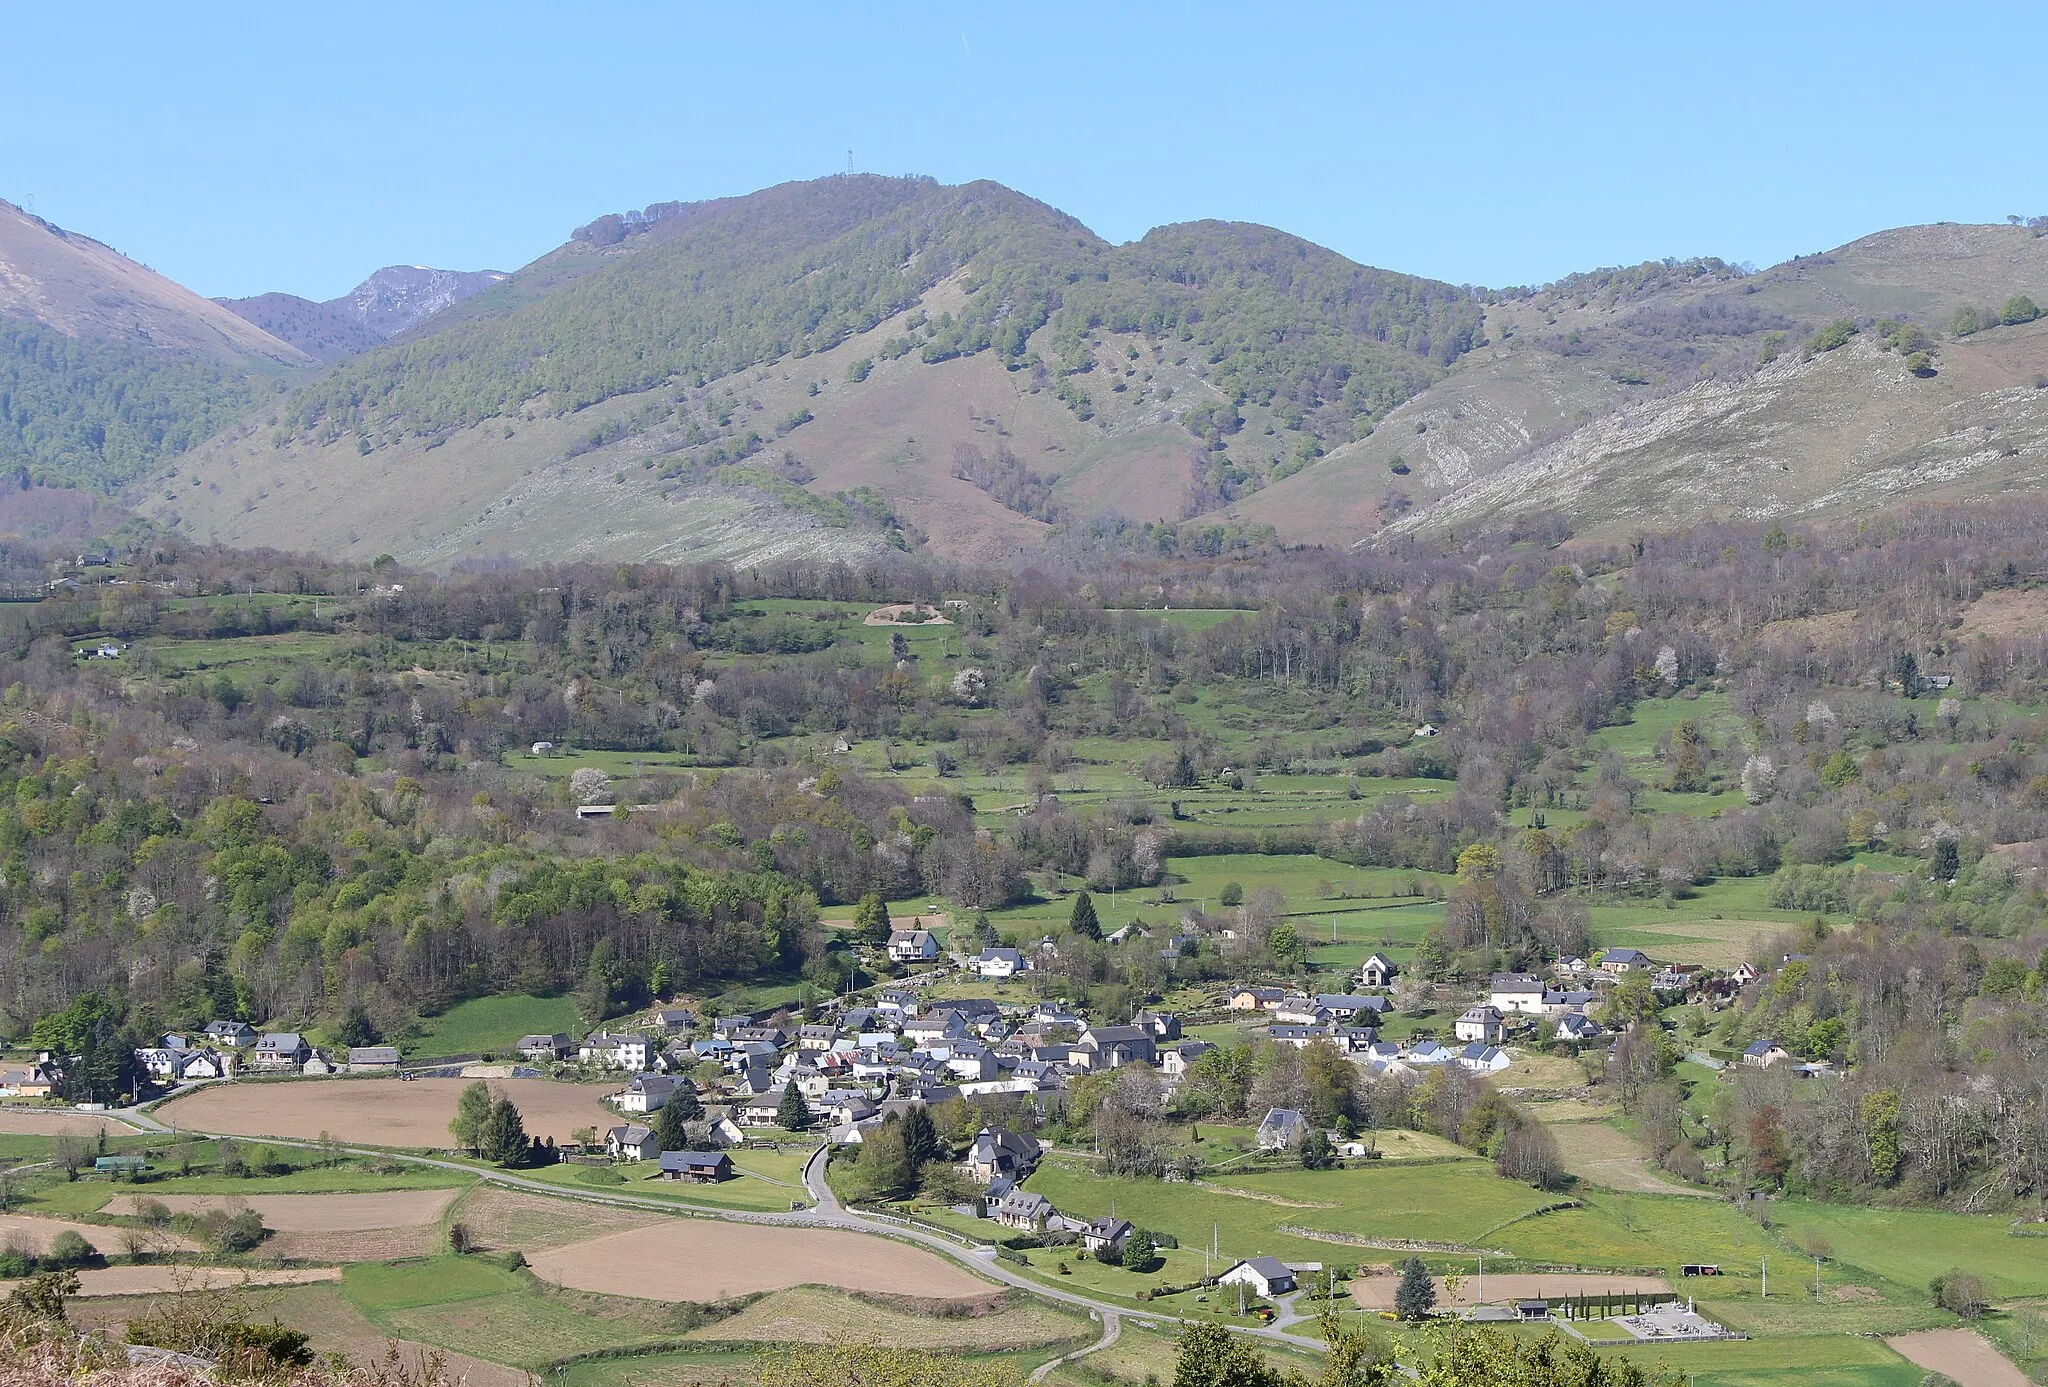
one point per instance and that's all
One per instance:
(240, 148)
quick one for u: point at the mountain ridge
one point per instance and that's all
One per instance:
(390, 302)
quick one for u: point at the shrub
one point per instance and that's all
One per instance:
(239, 1232)
(2019, 309)
(69, 1249)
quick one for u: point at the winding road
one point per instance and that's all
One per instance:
(828, 1213)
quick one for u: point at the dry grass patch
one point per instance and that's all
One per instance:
(35, 1234)
(1959, 1354)
(380, 1112)
(701, 1260)
(311, 1213)
(1602, 1156)
(162, 1280)
(501, 1218)
(62, 1124)
(816, 1315)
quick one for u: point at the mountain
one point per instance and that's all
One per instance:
(858, 361)
(394, 300)
(1678, 392)
(106, 367)
(939, 354)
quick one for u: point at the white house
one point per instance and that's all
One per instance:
(1624, 960)
(1577, 1028)
(281, 1050)
(912, 946)
(1521, 992)
(1282, 1128)
(647, 1093)
(632, 1053)
(1267, 1276)
(632, 1142)
(1483, 1059)
(1377, 971)
(1481, 1023)
(999, 963)
(1762, 1054)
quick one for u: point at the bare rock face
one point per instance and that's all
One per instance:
(395, 299)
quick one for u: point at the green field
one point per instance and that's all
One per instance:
(491, 1025)
(768, 1180)
(469, 1305)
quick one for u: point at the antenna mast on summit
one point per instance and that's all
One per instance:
(849, 161)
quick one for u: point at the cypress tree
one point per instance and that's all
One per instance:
(792, 1114)
(1083, 921)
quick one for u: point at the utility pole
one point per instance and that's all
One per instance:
(1767, 1278)
(1816, 1278)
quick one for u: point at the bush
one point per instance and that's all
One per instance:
(69, 1249)
(1959, 1292)
(2019, 309)
(239, 1232)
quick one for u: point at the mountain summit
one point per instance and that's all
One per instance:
(394, 300)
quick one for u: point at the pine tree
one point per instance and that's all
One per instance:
(792, 1114)
(502, 1137)
(670, 1121)
(871, 919)
(920, 1138)
(1083, 921)
(1415, 1297)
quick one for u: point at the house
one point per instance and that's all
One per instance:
(1577, 1028)
(1344, 1004)
(724, 1131)
(1427, 1052)
(632, 1053)
(231, 1033)
(632, 1142)
(759, 1110)
(1024, 1210)
(672, 1019)
(1572, 965)
(1300, 1037)
(997, 1152)
(999, 963)
(545, 1047)
(543, 749)
(202, 1064)
(1160, 1025)
(647, 1093)
(1676, 977)
(912, 946)
(319, 1065)
(1377, 971)
(1267, 1276)
(937, 1027)
(1762, 1054)
(159, 1063)
(1483, 1059)
(1105, 1233)
(1282, 1128)
(816, 1038)
(38, 1080)
(696, 1167)
(1113, 1047)
(279, 1051)
(1480, 1023)
(1177, 1059)
(1257, 998)
(373, 1059)
(1521, 992)
(1745, 974)
(1623, 960)
(1352, 1039)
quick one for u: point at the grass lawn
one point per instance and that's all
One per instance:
(1837, 1360)
(373, 1287)
(1909, 1246)
(66, 1198)
(491, 1025)
(770, 1180)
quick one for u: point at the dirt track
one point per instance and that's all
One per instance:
(1377, 1292)
(1958, 1353)
(380, 1112)
(311, 1213)
(699, 1260)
